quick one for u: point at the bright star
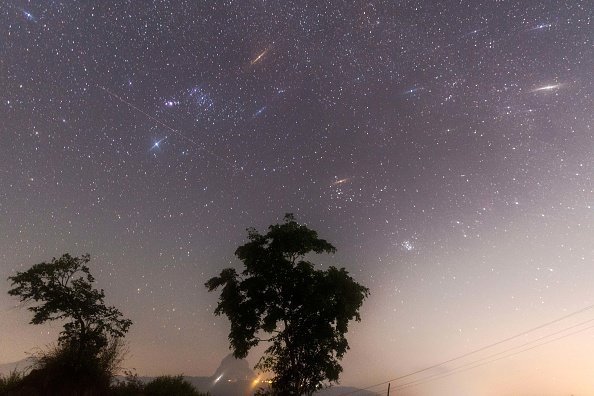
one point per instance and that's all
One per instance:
(29, 16)
(157, 143)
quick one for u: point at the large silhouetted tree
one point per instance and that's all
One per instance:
(63, 290)
(305, 312)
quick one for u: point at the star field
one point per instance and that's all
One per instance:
(445, 148)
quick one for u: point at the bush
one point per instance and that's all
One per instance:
(10, 381)
(65, 358)
(62, 370)
(168, 385)
(130, 386)
(165, 385)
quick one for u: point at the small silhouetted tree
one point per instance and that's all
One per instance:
(167, 385)
(305, 312)
(63, 290)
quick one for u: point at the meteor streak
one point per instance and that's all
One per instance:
(176, 131)
(341, 181)
(259, 57)
(113, 95)
(547, 88)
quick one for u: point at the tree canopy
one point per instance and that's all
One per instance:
(63, 290)
(304, 312)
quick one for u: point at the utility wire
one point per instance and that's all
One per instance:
(462, 369)
(589, 307)
(458, 369)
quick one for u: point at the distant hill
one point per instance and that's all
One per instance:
(234, 369)
(234, 377)
(246, 388)
(19, 366)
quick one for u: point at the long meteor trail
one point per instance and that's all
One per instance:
(176, 131)
(156, 120)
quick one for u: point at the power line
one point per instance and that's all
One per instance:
(461, 369)
(485, 360)
(474, 351)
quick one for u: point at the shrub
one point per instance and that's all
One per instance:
(66, 358)
(10, 381)
(61, 370)
(130, 386)
(170, 385)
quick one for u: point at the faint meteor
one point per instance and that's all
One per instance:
(547, 88)
(341, 181)
(542, 26)
(413, 90)
(260, 111)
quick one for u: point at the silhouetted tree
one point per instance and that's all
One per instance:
(305, 311)
(63, 290)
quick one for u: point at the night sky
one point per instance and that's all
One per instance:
(446, 148)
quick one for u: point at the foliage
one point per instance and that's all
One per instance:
(63, 290)
(10, 381)
(165, 385)
(130, 386)
(65, 358)
(170, 385)
(112, 356)
(58, 370)
(304, 311)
